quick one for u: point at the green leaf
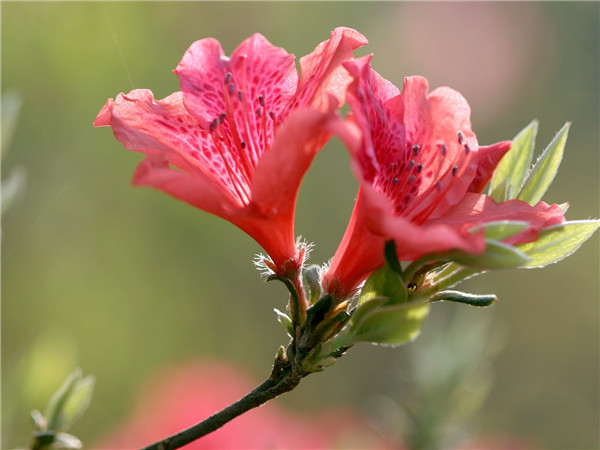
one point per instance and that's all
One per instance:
(501, 229)
(543, 172)
(558, 241)
(463, 297)
(497, 255)
(285, 321)
(69, 401)
(384, 282)
(391, 325)
(78, 401)
(513, 167)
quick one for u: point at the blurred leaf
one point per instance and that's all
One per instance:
(12, 187)
(54, 410)
(70, 401)
(391, 325)
(11, 105)
(510, 173)
(78, 401)
(543, 172)
(558, 241)
(64, 440)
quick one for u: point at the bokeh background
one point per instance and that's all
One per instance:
(121, 280)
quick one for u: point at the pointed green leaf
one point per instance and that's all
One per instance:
(543, 172)
(501, 229)
(463, 297)
(285, 321)
(54, 410)
(514, 165)
(78, 401)
(558, 241)
(502, 192)
(392, 325)
(497, 255)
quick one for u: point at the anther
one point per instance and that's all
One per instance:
(271, 114)
(460, 137)
(454, 171)
(419, 168)
(261, 100)
(411, 179)
(411, 164)
(416, 149)
(231, 88)
(222, 117)
(443, 148)
(240, 95)
(243, 144)
(395, 180)
(228, 77)
(467, 149)
(258, 112)
(213, 125)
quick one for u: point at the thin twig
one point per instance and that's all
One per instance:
(283, 379)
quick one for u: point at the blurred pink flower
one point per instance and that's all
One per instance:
(421, 172)
(242, 132)
(181, 396)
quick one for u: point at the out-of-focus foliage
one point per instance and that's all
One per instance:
(131, 279)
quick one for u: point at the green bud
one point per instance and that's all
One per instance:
(463, 297)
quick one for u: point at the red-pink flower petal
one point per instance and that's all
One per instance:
(477, 209)
(420, 171)
(488, 158)
(238, 131)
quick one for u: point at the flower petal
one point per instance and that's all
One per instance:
(164, 129)
(488, 158)
(323, 77)
(280, 170)
(477, 209)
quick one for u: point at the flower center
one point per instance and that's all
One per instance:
(419, 182)
(241, 133)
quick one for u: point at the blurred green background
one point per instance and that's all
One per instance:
(122, 280)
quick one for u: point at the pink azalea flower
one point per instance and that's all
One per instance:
(421, 174)
(238, 138)
(180, 396)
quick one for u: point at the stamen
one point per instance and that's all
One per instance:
(411, 180)
(231, 88)
(454, 171)
(460, 137)
(443, 148)
(243, 144)
(222, 117)
(261, 100)
(419, 168)
(213, 125)
(271, 114)
(467, 149)
(411, 164)
(416, 149)
(228, 77)
(395, 181)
